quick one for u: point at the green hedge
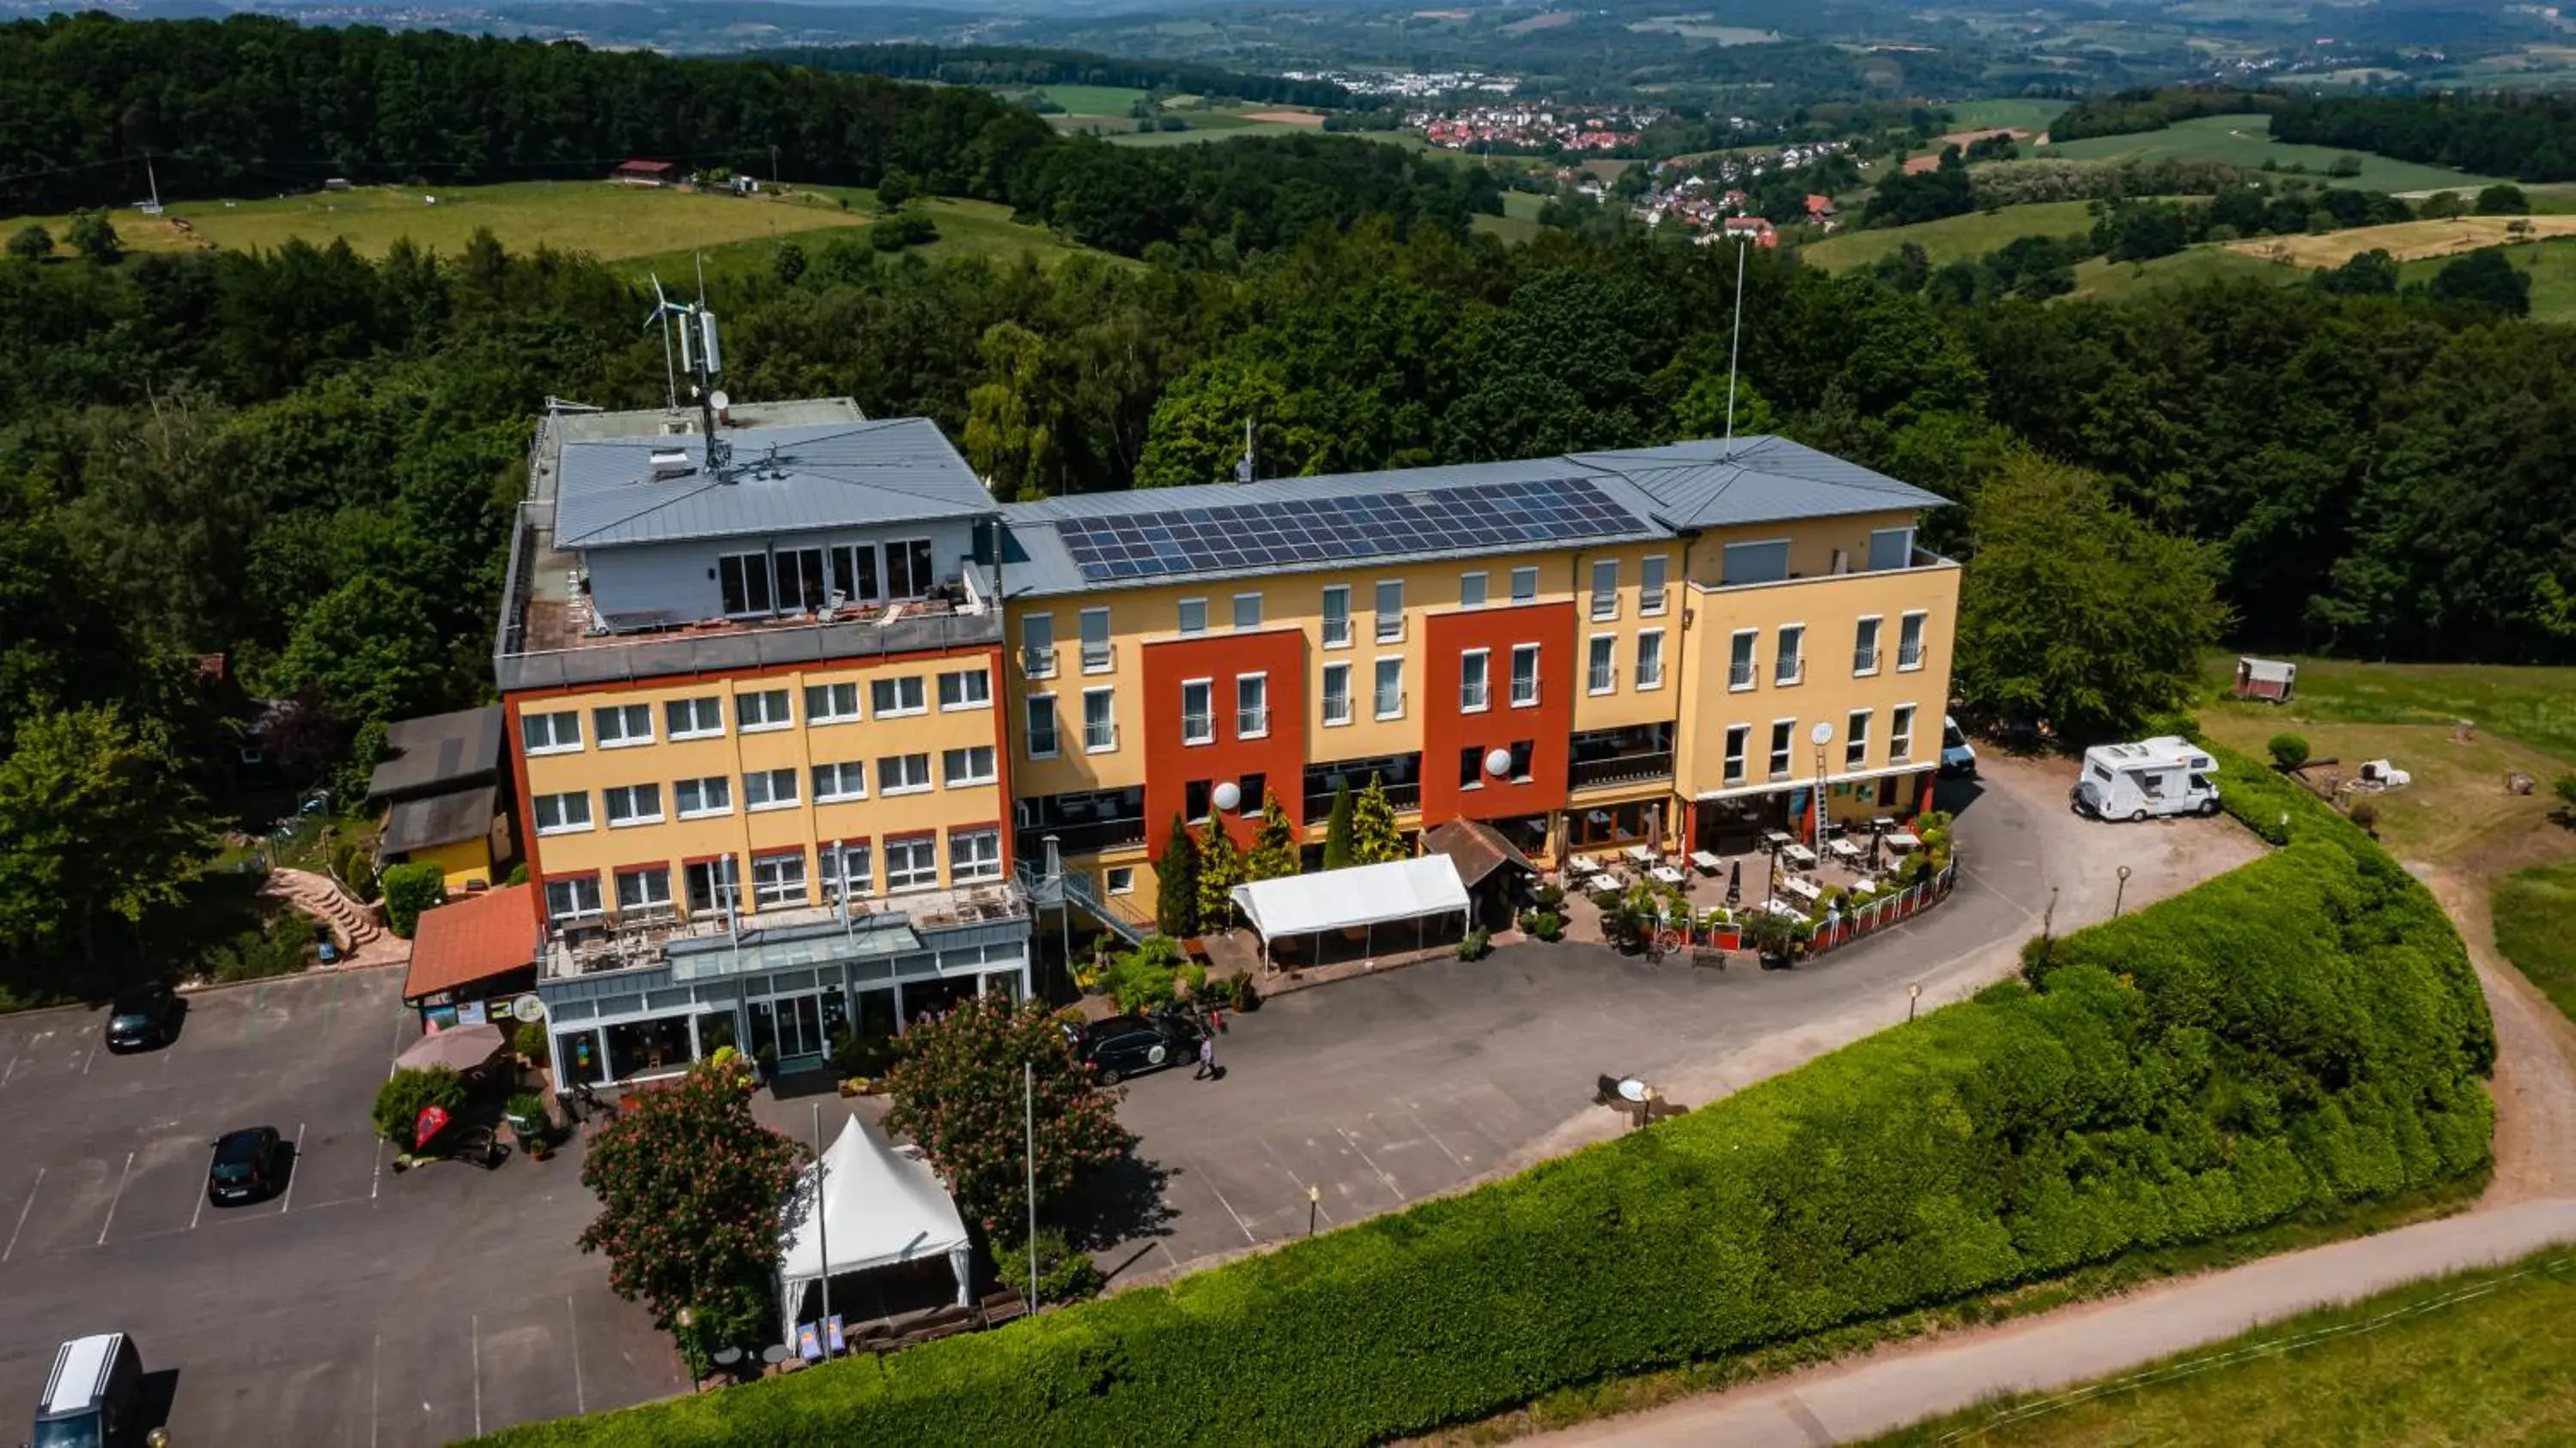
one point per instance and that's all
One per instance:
(2302, 1031)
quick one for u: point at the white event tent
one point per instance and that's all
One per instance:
(1361, 896)
(879, 1208)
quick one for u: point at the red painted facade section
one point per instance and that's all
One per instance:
(1279, 756)
(1547, 725)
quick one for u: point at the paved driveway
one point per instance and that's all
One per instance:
(360, 1307)
(1383, 1090)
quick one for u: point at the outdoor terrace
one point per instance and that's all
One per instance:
(705, 945)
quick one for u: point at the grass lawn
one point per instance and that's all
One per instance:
(2014, 113)
(2247, 141)
(2485, 1358)
(2552, 265)
(1952, 238)
(1094, 100)
(2535, 927)
(1519, 221)
(2193, 266)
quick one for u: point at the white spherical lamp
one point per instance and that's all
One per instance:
(1498, 763)
(1228, 795)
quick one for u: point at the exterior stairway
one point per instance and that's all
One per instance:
(354, 929)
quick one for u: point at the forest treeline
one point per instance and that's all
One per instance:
(2529, 137)
(1016, 65)
(2152, 109)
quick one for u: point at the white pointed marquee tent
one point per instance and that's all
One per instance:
(1363, 896)
(878, 1208)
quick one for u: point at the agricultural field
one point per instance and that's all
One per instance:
(1519, 221)
(2535, 927)
(2485, 1357)
(1952, 238)
(2104, 279)
(1105, 109)
(2247, 141)
(2552, 265)
(2010, 113)
(2404, 240)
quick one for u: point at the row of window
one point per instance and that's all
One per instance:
(779, 879)
(800, 580)
(1789, 662)
(620, 726)
(1782, 760)
(568, 812)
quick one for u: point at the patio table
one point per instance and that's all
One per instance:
(1842, 849)
(1669, 875)
(1642, 854)
(1798, 855)
(1902, 840)
(1807, 890)
(1708, 863)
(1778, 839)
(1783, 907)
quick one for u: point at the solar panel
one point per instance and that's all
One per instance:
(1363, 525)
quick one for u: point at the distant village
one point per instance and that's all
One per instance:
(1707, 196)
(1413, 84)
(1533, 127)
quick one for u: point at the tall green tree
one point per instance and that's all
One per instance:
(1221, 868)
(1008, 437)
(95, 822)
(959, 1089)
(1337, 831)
(1176, 883)
(369, 650)
(1374, 838)
(2074, 610)
(1275, 852)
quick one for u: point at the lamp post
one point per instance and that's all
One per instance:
(2122, 893)
(1913, 994)
(1314, 1203)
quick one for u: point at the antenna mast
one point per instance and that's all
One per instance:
(700, 357)
(1735, 347)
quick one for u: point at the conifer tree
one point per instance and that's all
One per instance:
(1337, 831)
(1374, 837)
(1220, 870)
(1176, 895)
(1274, 844)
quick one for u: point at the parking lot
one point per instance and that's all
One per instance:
(359, 1306)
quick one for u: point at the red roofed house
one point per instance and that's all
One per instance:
(644, 173)
(471, 957)
(1819, 207)
(1754, 228)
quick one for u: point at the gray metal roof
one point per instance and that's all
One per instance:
(1685, 485)
(783, 480)
(438, 752)
(438, 819)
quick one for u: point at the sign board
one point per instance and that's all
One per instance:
(528, 1008)
(469, 1013)
(809, 1342)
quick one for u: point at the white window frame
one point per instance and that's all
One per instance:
(1030, 709)
(1645, 653)
(1181, 617)
(842, 790)
(1906, 557)
(768, 585)
(914, 877)
(1528, 573)
(971, 778)
(1109, 696)
(1856, 740)
(834, 875)
(564, 823)
(1782, 656)
(609, 795)
(1483, 582)
(974, 854)
(555, 743)
(1752, 661)
(1377, 686)
(1605, 601)
(723, 785)
(1381, 624)
(1343, 667)
(893, 687)
(1782, 757)
(771, 879)
(769, 783)
(698, 707)
(968, 697)
(1900, 734)
(1260, 680)
(1342, 591)
(1738, 755)
(1786, 572)
(1530, 699)
(646, 902)
(1199, 728)
(1119, 879)
(1107, 659)
(1654, 584)
(624, 714)
(831, 712)
(1601, 665)
(1037, 661)
(572, 886)
(1240, 600)
(1920, 620)
(1874, 627)
(1482, 698)
(786, 705)
(886, 786)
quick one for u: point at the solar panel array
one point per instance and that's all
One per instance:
(1362, 525)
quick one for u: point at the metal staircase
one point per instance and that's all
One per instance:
(1051, 886)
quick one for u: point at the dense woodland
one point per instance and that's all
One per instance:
(1015, 65)
(2152, 109)
(2526, 137)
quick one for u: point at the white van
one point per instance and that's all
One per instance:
(1958, 756)
(2153, 777)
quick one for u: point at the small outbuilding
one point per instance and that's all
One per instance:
(2270, 680)
(640, 172)
(865, 1207)
(473, 960)
(1490, 866)
(441, 782)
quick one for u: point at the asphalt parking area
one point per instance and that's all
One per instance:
(356, 1305)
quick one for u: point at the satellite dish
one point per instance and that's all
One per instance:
(720, 400)
(1823, 733)
(1228, 795)
(1499, 763)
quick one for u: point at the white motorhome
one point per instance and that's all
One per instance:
(1958, 756)
(2153, 777)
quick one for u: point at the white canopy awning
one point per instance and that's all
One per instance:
(879, 1208)
(1347, 899)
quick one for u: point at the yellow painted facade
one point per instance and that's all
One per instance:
(462, 865)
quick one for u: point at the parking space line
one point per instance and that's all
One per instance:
(8, 1070)
(1303, 1186)
(375, 1390)
(1434, 1136)
(478, 1375)
(22, 1215)
(378, 1184)
(112, 1201)
(1213, 1191)
(86, 1059)
(205, 1189)
(1373, 1166)
(294, 1171)
(580, 1403)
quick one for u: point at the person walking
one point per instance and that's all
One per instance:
(1207, 1058)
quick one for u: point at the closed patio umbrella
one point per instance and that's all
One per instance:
(461, 1049)
(1735, 883)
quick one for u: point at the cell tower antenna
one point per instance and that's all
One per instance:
(700, 358)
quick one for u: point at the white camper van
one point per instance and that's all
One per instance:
(2153, 777)
(1958, 756)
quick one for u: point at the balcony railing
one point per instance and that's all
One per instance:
(1524, 693)
(1474, 695)
(1100, 736)
(1198, 728)
(1337, 631)
(1910, 656)
(1651, 678)
(1620, 769)
(1792, 668)
(1390, 627)
(1082, 838)
(1251, 723)
(1864, 661)
(1095, 655)
(1390, 704)
(1739, 675)
(1038, 663)
(1337, 708)
(1404, 797)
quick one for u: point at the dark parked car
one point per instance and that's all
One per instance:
(1123, 1046)
(250, 1165)
(144, 1016)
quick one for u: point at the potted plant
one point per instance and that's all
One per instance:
(1773, 937)
(532, 1124)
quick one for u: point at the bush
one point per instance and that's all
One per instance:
(410, 889)
(282, 945)
(894, 233)
(530, 1117)
(1544, 925)
(1548, 897)
(2301, 1033)
(1064, 1275)
(407, 1093)
(2289, 751)
(2565, 788)
(1241, 992)
(1141, 979)
(529, 1039)
(2365, 816)
(1478, 944)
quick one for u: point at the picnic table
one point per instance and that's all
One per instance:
(1902, 841)
(1806, 890)
(1707, 863)
(1798, 855)
(1843, 849)
(1779, 906)
(1669, 875)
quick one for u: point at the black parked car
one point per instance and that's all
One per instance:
(250, 1165)
(1124, 1046)
(144, 1016)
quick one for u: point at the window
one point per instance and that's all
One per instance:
(632, 804)
(694, 718)
(710, 885)
(1753, 563)
(1524, 675)
(1603, 666)
(1739, 662)
(908, 570)
(1337, 693)
(1890, 548)
(1252, 791)
(1780, 731)
(1040, 734)
(970, 765)
(1247, 610)
(1605, 588)
(1789, 667)
(562, 814)
(831, 703)
(1471, 590)
(1121, 879)
(1337, 616)
(974, 855)
(1473, 691)
(1193, 615)
(743, 581)
(765, 709)
(834, 783)
(778, 879)
(854, 572)
(1909, 641)
(1099, 722)
(1390, 688)
(801, 585)
(1738, 737)
(769, 789)
(1856, 741)
(912, 864)
(1900, 734)
(1471, 767)
(895, 697)
(1650, 659)
(845, 870)
(1037, 645)
(1198, 712)
(1650, 584)
(699, 798)
(1865, 646)
(572, 898)
(1096, 657)
(550, 733)
(1524, 585)
(903, 774)
(1522, 752)
(1390, 610)
(1251, 706)
(1196, 795)
(966, 689)
(644, 892)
